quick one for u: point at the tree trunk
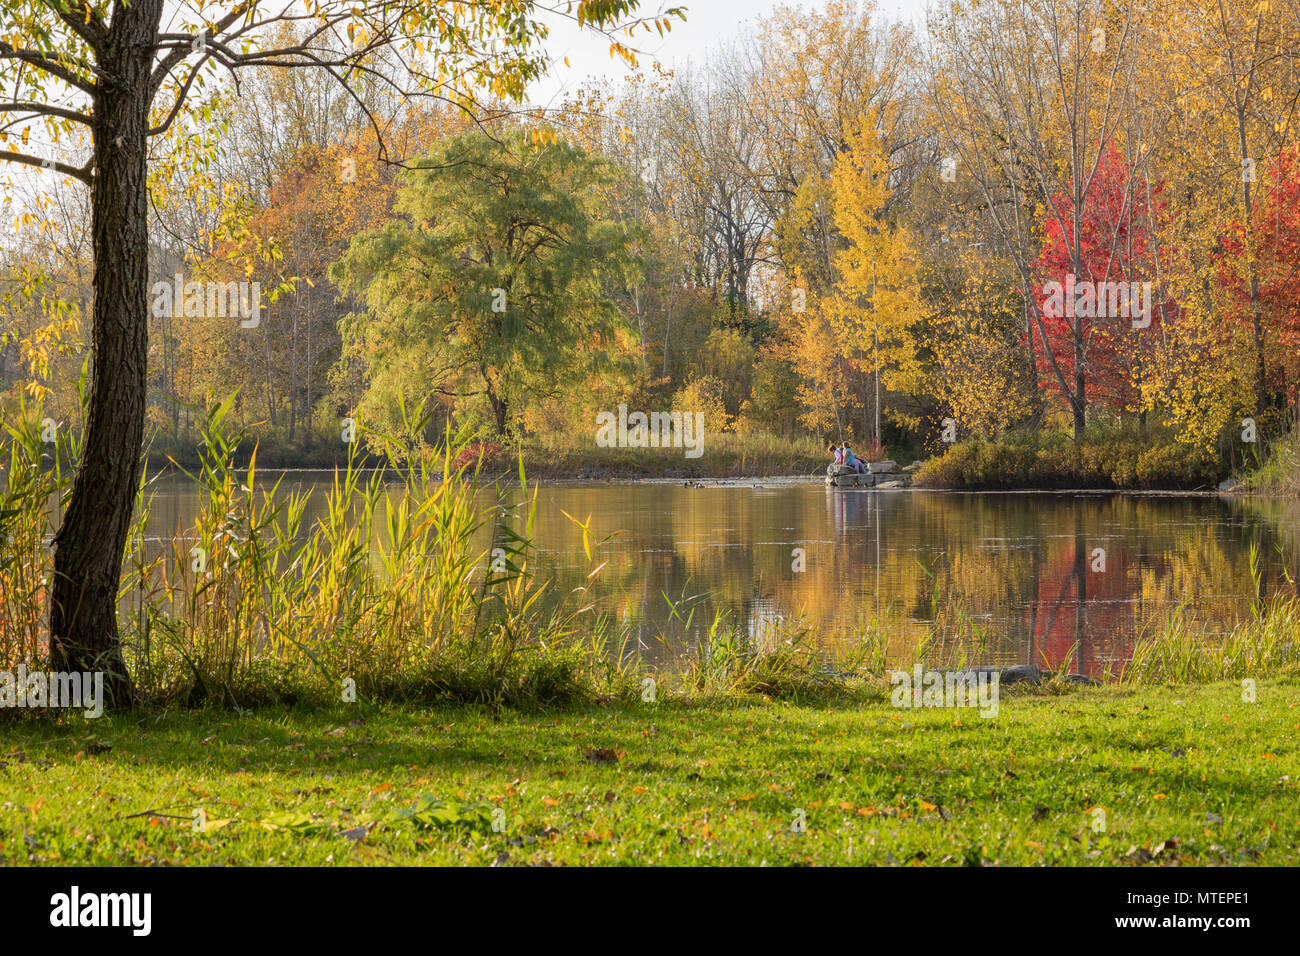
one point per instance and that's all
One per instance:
(1080, 405)
(90, 543)
(499, 410)
(1079, 400)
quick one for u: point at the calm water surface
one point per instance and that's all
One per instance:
(1017, 577)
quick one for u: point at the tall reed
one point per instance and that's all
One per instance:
(35, 458)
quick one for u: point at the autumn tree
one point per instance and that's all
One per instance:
(1030, 98)
(982, 375)
(494, 281)
(1266, 297)
(876, 309)
(1101, 316)
(812, 80)
(1229, 101)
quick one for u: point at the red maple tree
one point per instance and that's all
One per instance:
(1276, 233)
(1099, 286)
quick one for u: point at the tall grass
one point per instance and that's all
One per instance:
(35, 476)
(390, 592)
(1177, 651)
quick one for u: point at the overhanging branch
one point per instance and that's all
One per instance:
(76, 172)
(45, 109)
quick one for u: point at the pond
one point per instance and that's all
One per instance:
(1017, 577)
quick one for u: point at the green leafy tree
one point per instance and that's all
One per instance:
(497, 281)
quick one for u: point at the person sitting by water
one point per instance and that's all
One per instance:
(836, 454)
(848, 458)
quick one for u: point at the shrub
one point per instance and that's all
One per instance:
(469, 455)
(706, 394)
(1116, 457)
(1280, 473)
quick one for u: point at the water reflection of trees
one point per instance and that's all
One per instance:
(1012, 571)
(1016, 571)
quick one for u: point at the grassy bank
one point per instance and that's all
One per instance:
(721, 455)
(1114, 458)
(1280, 473)
(1182, 775)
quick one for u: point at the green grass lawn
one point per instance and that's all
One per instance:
(1183, 775)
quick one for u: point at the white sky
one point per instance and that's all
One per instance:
(709, 23)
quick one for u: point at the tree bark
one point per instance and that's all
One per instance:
(90, 543)
(500, 410)
(1079, 401)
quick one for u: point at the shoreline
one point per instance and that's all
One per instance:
(754, 481)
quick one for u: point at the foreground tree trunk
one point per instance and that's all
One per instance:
(90, 544)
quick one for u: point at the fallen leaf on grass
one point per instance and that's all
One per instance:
(298, 822)
(431, 812)
(1167, 847)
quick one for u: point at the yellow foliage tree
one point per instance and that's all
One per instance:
(876, 310)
